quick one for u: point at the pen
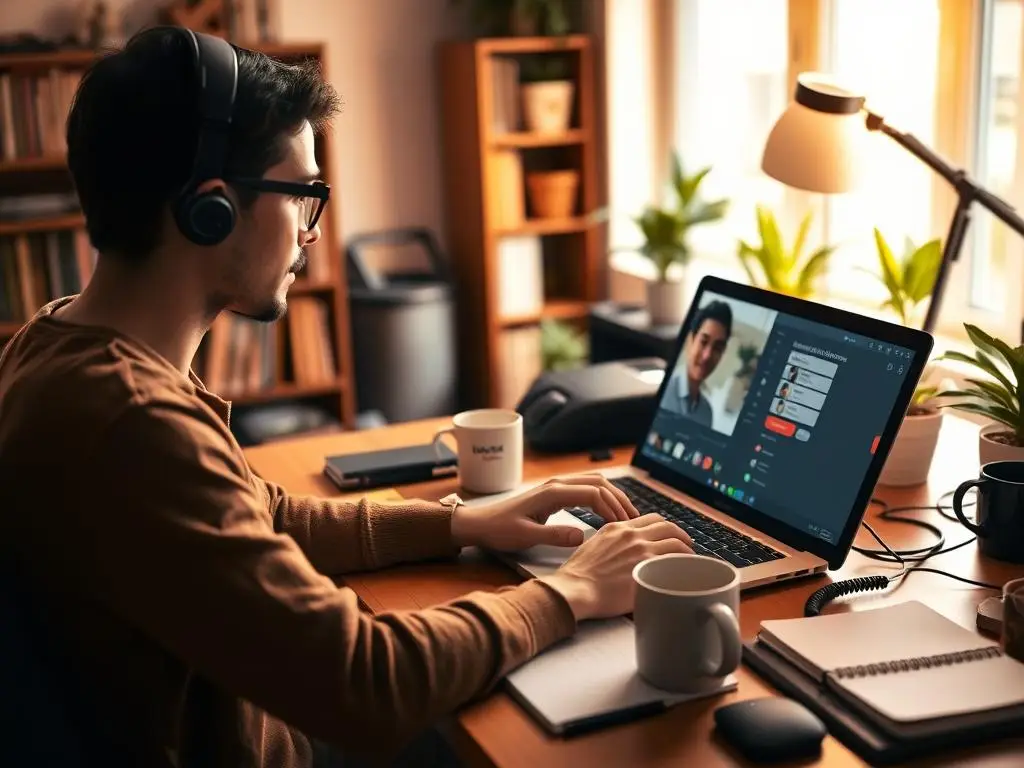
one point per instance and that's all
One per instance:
(617, 717)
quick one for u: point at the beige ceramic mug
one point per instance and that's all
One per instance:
(687, 626)
(490, 449)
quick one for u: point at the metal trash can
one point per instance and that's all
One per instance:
(401, 302)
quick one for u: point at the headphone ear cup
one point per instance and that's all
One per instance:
(206, 219)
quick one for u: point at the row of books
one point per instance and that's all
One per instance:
(41, 266)
(33, 111)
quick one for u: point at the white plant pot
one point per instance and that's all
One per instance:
(666, 302)
(547, 106)
(910, 458)
(990, 450)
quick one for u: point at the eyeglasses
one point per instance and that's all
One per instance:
(314, 195)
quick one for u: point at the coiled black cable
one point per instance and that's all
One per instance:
(909, 559)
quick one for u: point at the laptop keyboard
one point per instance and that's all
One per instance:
(709, 536)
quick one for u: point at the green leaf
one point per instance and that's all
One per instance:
(801, 236)
(688, 189)
(995, 413)
(982, 362)
(770, 238)
(815, 267)
(996, 393)
(706, 212)
(921, 270)
(746, 253)
(892, 273)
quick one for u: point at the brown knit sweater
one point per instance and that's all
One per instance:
(182, 603)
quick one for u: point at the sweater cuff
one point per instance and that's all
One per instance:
(547, 615)
(419, 530)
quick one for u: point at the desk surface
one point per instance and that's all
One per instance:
(496, 731)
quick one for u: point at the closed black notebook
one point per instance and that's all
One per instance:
(374, 469)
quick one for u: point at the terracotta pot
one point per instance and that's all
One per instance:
(990, 450)
(910, 458)
(666, 302)
(553, 193)
(547, 106)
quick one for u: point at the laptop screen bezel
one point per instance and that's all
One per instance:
(919, 342)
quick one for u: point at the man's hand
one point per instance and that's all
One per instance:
(597, 581)
(519, 522)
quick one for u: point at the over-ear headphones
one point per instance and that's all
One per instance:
(207, 218)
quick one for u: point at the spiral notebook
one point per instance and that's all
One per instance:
(906, 668)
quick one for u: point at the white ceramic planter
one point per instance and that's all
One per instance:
(547, 106)
(989, 450)
(666, 302)
(910, 458)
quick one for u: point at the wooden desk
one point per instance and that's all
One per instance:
(496, 731)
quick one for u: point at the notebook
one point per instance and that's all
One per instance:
(909, 670)
(590, 681)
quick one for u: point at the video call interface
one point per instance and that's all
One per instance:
(776, 412)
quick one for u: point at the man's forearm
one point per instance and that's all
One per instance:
(341, 537)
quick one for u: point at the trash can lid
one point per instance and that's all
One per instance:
(417, 292)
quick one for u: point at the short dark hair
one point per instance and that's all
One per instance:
(715, 310)
(133, 129)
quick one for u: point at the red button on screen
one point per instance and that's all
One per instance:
(780, 426)
(874, 444)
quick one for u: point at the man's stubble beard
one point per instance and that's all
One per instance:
(277, 308)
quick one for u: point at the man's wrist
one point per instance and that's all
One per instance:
(576, 592)
(460, 521)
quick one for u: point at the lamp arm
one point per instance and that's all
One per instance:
(967, 191)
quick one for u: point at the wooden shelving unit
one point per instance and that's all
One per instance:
(499, 347)
(269, 355)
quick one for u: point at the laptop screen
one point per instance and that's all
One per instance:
(777, 412)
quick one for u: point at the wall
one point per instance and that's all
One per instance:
(380, 58)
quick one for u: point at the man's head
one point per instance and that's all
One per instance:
(785, 390)
(132, 137)
(709, 334)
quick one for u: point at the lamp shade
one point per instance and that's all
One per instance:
(818, 142)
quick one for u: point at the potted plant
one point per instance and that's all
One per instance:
(782, 269)
(748, 355)
(547, 90)
(529, 18)
(909, 281)
(561, 346)
(997, 397)
(665, 231)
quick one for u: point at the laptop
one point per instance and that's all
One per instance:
(772, 423)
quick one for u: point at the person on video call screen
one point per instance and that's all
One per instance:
(709, 334)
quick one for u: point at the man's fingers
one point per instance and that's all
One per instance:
(645, 520)
(599, 499)
(663, 529)
(603, 482)
(669, 547)
(559, 535)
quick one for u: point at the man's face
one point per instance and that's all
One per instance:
(704, 350)
(270, 239)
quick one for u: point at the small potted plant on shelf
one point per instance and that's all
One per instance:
(522, 18)
(562, 346)
(909, 281)
(782, 269)
(547, 91)
(997, 397)
(665, 231)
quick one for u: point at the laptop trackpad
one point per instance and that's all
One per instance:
(551, 556)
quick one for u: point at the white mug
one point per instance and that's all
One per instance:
(490, 449)
(686, 620)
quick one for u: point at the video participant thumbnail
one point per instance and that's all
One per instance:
(718, 363)
(803, 389)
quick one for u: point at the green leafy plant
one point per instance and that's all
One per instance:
(782, 269)
(665, 229)
(908, 280)
(504, 18)
(999, 396)
(748, 355)
(562, 346)
(544, 67)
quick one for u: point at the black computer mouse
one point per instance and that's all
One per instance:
(772, 729)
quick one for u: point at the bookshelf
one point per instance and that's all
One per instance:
(44, 251)
(515, 265)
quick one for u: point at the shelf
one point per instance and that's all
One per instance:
(512, 45)
(531, 139)
(303, 287)
(9, 328)
(282, 391)
(547, 227)
(45, 224)
(34, 164)
(554, 309)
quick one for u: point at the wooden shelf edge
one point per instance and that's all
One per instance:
(547, 227)
(286, 391)
(531, 139)
(34, 164)
(44, 224)
(554, 309)
(490, 45)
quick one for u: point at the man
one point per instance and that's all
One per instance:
(784, 391)
(705, 344)
(180, 604)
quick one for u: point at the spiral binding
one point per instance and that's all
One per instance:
(919, 662)
(830, 592)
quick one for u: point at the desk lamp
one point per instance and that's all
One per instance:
(817, 145)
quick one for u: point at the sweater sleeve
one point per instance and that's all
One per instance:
(341, 537)
(184, 552)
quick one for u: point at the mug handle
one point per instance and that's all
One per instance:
(958, 503)
(729, 632)
(437, 438)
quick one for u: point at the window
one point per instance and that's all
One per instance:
(946, 71)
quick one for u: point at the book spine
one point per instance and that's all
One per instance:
(919, 662)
